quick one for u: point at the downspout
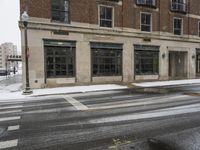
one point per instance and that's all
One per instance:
(159, 16)
(122, 15)
(26, 5)
(188, 17)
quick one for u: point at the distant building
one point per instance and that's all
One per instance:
(1, 57)
(7, 49)
(101, 41)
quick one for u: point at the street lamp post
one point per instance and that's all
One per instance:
(25, 19)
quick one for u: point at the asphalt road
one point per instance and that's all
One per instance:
(120, 119)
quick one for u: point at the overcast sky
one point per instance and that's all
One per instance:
(9, 17)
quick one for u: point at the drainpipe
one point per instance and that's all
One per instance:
(159, 16)
(188, 6)
(122, 15)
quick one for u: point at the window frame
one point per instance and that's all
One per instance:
(140, 63)
(184, 3)
(99, 74)
(151, 21)
(59, 21)
(73, 48)
(181, 26)
(99, 16)
(153, 5)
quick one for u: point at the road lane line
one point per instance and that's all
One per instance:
(137, 102)
(75, 103)
(8, 144)
(10, 111)
(10, 118)
(11, 107)
(13, 128)
(146, 115)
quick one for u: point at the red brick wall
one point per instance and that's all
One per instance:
(127, 15)
(36, 8)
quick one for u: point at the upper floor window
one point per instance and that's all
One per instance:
(60, 10)
(199, 28)
(106, 16)
(178, 6)
(146, 2)
(146, 23)
(178, 26)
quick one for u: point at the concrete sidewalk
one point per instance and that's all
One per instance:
(167, 83)
(11, 83)
(61, 90)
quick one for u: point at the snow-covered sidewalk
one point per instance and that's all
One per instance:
(2, 78)
(167, 83)
(61, 90)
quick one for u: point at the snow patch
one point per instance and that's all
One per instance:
(2, 78)
(59, 90)
(167, 83)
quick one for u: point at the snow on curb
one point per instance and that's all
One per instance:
(167, 83)
(2, 78)
(61, 90)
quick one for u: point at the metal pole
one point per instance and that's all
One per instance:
(27, 88)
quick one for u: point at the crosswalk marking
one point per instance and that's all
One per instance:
(75, 103)
(137, 102)
(124, 103)
(148, 114)
(10, 118)
(8, 144)
(13, 128)
(10, 111)
(10, 107)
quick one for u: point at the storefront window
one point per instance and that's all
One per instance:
(146, 62)
(106, 61)
(60, 61)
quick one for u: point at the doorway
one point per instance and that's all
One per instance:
(178, 65)
(198, 63)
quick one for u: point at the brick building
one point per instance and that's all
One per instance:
(98, 41)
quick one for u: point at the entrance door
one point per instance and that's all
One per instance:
(178, 65)
(198, 63)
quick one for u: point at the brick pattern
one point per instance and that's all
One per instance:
(36, 8)
(126, 15)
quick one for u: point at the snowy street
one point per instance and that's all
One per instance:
(10, 84)
(101, 117)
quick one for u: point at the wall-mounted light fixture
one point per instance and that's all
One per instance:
(193, 56)
(163, 55)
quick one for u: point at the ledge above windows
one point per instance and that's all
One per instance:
(179, 6)
(147, 3)
(113, 0)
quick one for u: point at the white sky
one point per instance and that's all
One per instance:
(9, 17)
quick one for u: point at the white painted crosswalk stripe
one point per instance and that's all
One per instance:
(10, 111)
(75, 103)
(8, 144)
(10, 118)
(10, 107)
(137, 102)
(13, 128)
(149, 114)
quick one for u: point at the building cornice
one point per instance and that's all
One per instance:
(117, 31)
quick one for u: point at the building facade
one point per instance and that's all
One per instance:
(6, 50)
(100, 41)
